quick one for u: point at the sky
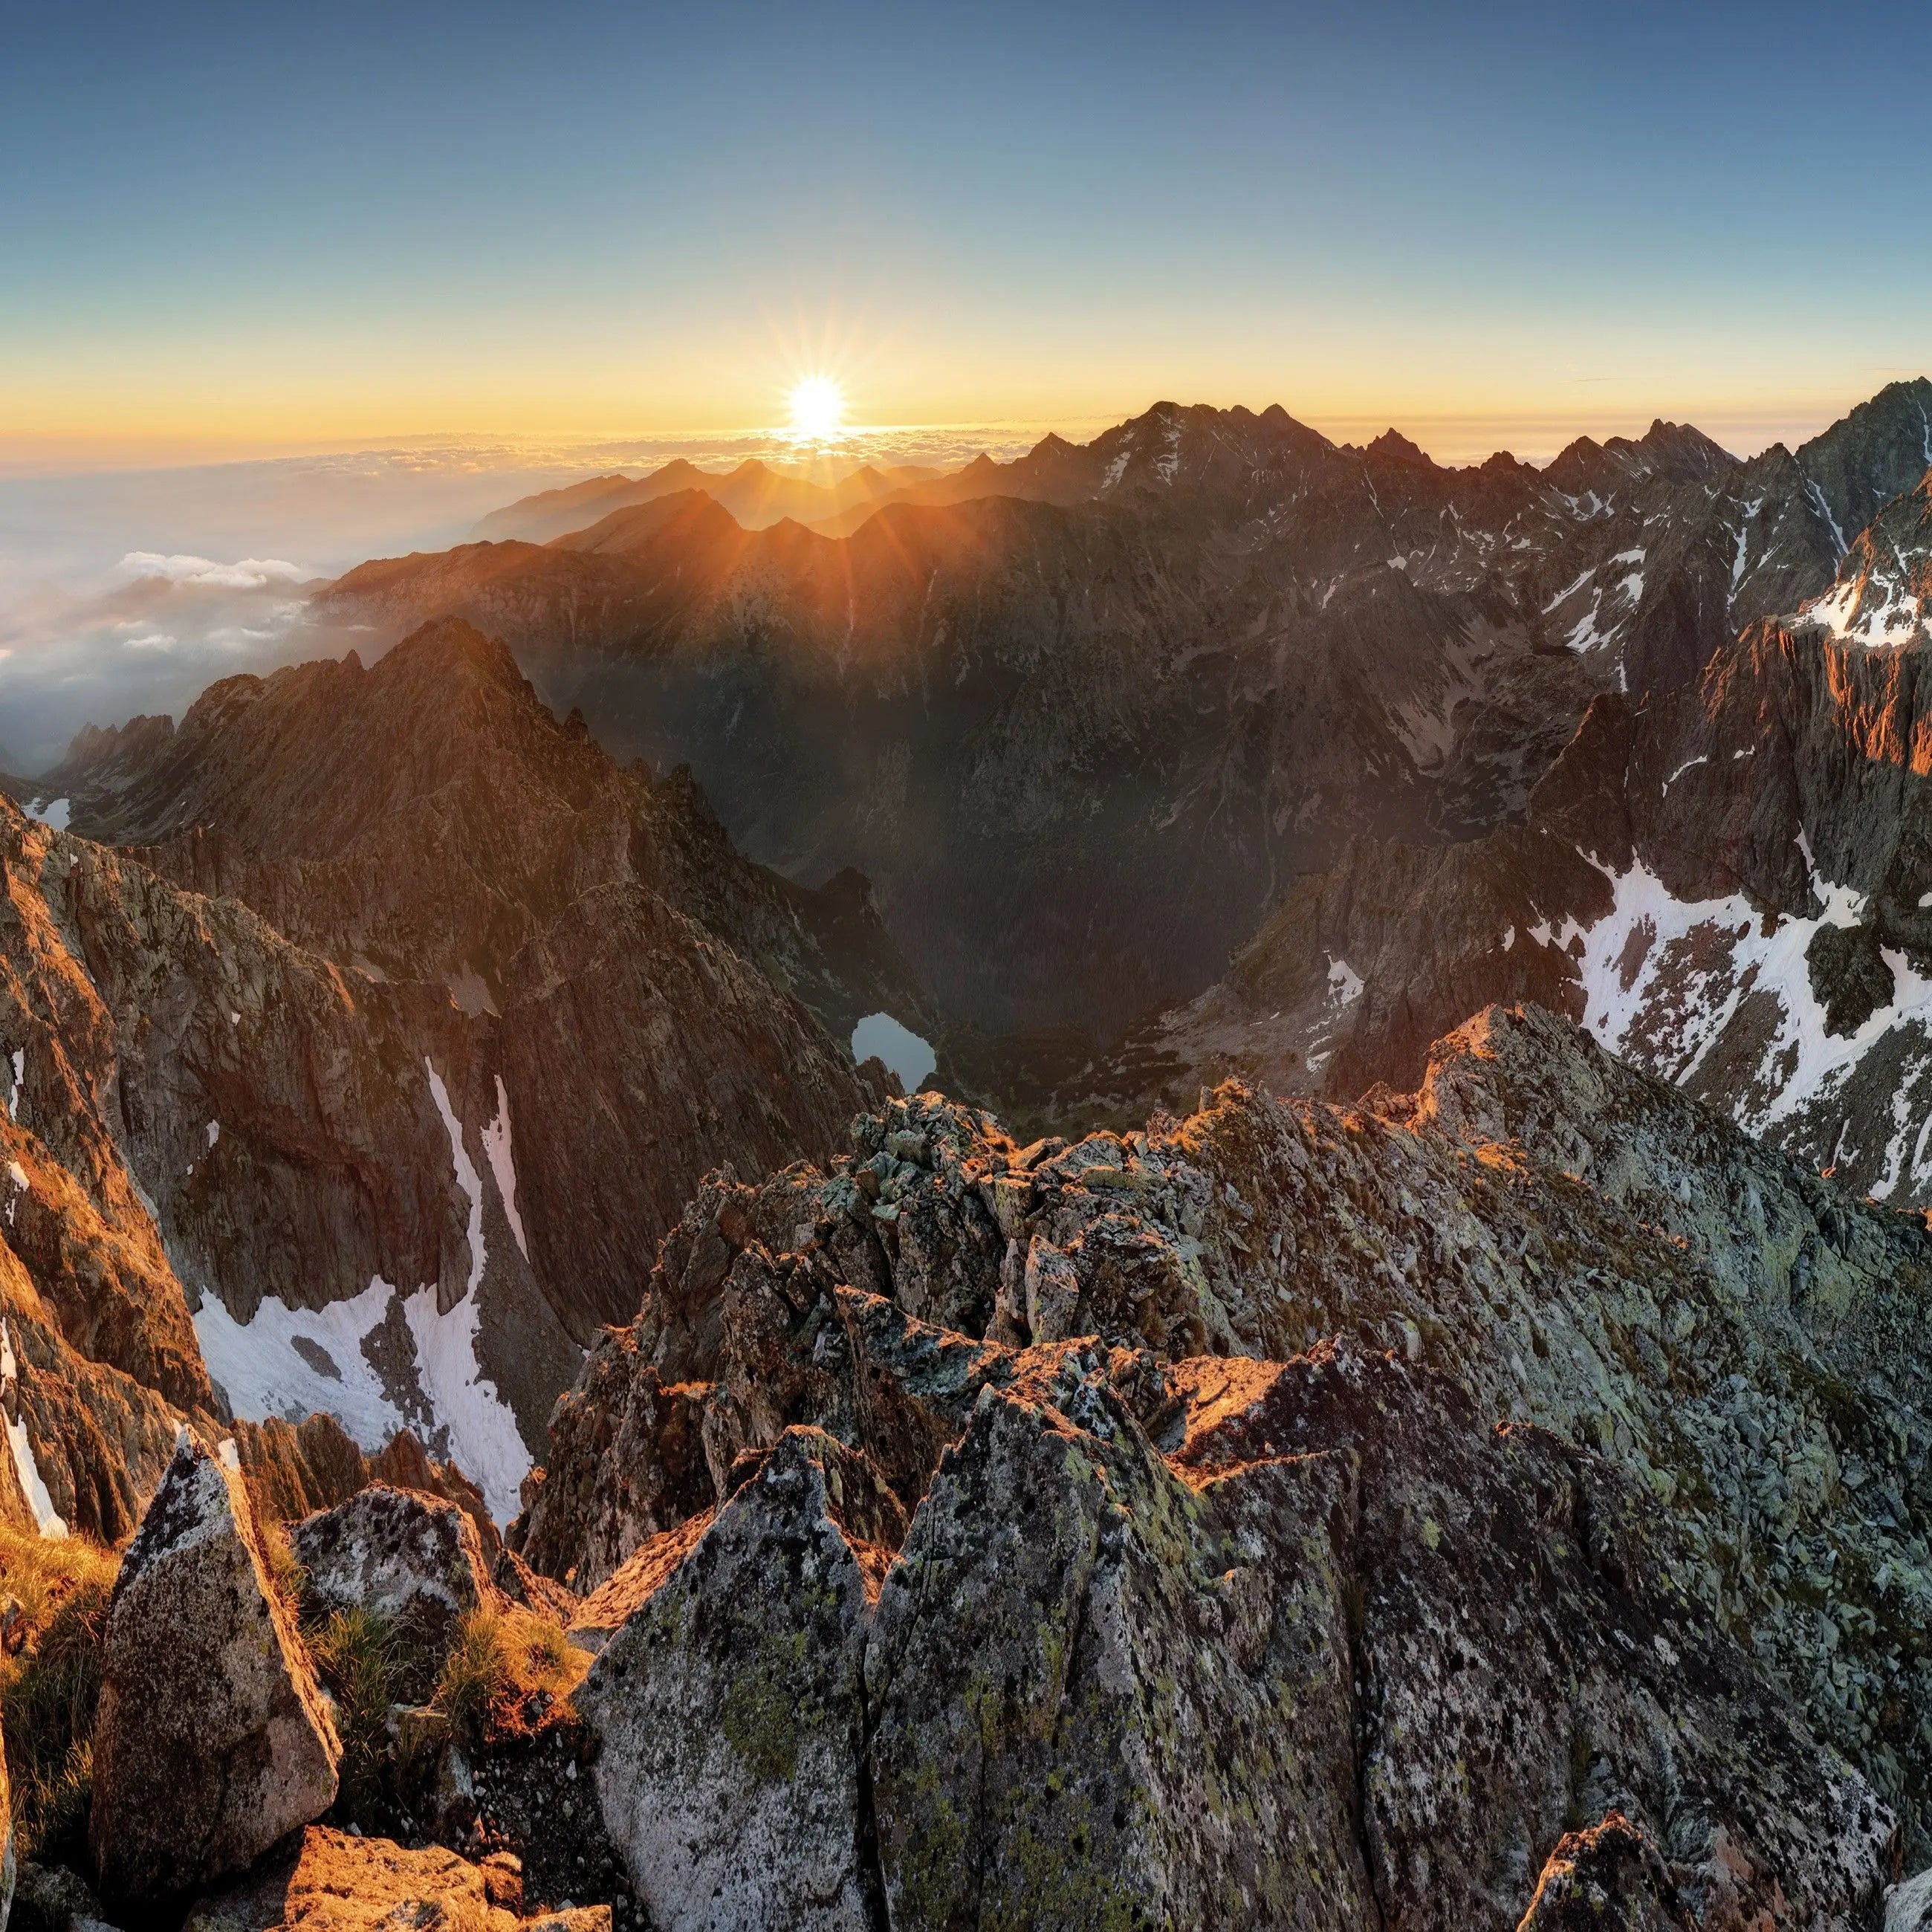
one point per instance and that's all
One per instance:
(246, 231)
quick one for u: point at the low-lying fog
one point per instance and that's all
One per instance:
(132, 591)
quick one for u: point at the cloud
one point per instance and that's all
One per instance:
(142, 641)
(251, 573)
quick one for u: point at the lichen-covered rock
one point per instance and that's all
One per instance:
(729, 1710)
(1908, 1907)
(1608, 1879)
(334, 1882)
(412, 1560)
(1522, 1657)
(211, 1741)
(1102, 1697)
(50, 1898)
(1578, 1245)
(630, 1462)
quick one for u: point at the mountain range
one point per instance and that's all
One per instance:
(1111, 711)
(1431, 972)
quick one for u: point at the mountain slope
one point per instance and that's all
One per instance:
(398, 1160)
(1112, 711)
(1728, 882)
(1569, 1245)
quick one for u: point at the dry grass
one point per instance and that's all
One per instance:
(50, 1682)
(508, 1674)
(286, 1577)
(362, 1661)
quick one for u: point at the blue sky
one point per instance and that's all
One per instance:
(250, 228)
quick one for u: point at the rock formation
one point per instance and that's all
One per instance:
(412, 1560)
(730, 1710)
(1724, 882)
(253, 1173)
(213, 1740)
(338, 1883)
(1427, 1514)
(1577, 1245)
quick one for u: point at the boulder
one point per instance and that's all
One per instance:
(212, 1740)
(729, 1708)
(50, 1898)
(333, 1882)
(1908, 1907)
(1102, 1697)
(411, 1559)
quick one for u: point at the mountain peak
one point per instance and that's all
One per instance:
(450, 646)
(1392, 446)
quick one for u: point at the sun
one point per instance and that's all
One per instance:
(817, 408)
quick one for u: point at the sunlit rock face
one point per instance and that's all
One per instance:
(213, 1740)
(303, 1095)
(1573, 1246)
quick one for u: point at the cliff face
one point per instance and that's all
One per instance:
(369, 1083)
(1729, 883)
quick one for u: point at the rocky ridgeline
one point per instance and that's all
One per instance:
(1729, 882)
(1500, 1505)
(1702, 1357)
(283, 1127)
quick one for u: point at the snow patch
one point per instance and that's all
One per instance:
(467, 1178)
(19, 1060)
(1345, 983)
(1824, 510)
(214, 1131)
(48, 1519)
(483, 1435)
(496, 1150)
(263, 1373)
(1663, 978)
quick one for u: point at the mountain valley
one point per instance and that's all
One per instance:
(1380, 1384)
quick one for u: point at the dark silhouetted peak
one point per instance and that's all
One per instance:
(1392, 447)
(95, 744)
(686, 515)
(1683, 453)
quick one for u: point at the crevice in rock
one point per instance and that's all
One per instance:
(865, 1847)
(1354, 1608)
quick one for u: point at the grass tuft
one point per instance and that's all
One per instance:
(508, 1674)
(50, 1683)
(358, 1658)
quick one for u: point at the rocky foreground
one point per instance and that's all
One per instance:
(1501, 1505)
